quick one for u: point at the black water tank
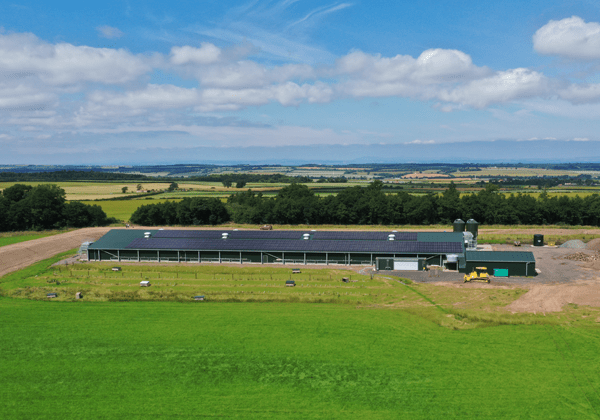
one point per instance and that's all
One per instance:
(459, 225)
(538, 240)
(472, 226)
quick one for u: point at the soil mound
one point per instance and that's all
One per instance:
(573, 243)
(594, 244)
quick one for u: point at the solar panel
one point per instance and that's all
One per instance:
(286, 234)
(298, 246)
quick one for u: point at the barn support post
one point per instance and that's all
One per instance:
(371, 259)
(241, 257)
(118, 255)
(326, 258)
(348, 258)
(219, 257)
(138, 252)
(158, 256)
(261, 258)
(440, 260)
(283, 257)
(305, 258)
(178, 257)
(199, 259)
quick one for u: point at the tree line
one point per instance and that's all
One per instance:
(297, 204)
(23, 207)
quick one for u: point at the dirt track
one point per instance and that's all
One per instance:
(17, 256)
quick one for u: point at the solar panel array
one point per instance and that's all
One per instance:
(364, 236)
(297, 246)
(282, 234)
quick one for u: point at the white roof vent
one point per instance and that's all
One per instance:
(391, 237)
(225, 235)
(147, 234)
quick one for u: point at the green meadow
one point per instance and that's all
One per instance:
(140, 360)
(9, 238)
(373, 348)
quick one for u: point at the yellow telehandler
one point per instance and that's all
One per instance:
(478, 274)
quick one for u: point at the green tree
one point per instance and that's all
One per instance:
(124, 190)
(46, 203)
(17, 192)
(240, 184)
(226, 183)
(139, 187)
(173, 186)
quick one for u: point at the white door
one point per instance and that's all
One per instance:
(406, 265)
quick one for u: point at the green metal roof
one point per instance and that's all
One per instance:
(499, 256)
(119, 238)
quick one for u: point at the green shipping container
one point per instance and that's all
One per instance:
(501, 272)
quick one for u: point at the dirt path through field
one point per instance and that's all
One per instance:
(17, 256)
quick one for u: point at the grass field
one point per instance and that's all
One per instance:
(8, 238)
(407, 352)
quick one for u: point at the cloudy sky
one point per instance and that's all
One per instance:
(197, 81)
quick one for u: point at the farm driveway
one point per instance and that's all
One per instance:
(17, 256)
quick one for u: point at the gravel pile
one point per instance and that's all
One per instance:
(574, 243)
(582, 256)
(594, 244)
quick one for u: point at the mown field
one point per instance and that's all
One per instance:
(406, 352)
(9, 238)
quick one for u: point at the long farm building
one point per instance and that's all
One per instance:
(384, 250)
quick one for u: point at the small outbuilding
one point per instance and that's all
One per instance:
(52, 295)
(508, 263)
(78, 295)
(290, 283)
(145, 283)
(116, 269)
(198, 297)
(295, 271)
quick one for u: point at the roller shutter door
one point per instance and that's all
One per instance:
(406, 265)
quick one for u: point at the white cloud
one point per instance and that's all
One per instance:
(571, 37)
(67, 64)
(421, 142)
(581, 139)
(167, 97)
(206, 54)
(109, 32)
(502, 87)
(581, 93)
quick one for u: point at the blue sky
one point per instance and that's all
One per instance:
(83, 83)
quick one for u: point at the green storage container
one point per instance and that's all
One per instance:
(501, 272)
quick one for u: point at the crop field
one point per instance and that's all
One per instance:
(407, 352)
(522, 172)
